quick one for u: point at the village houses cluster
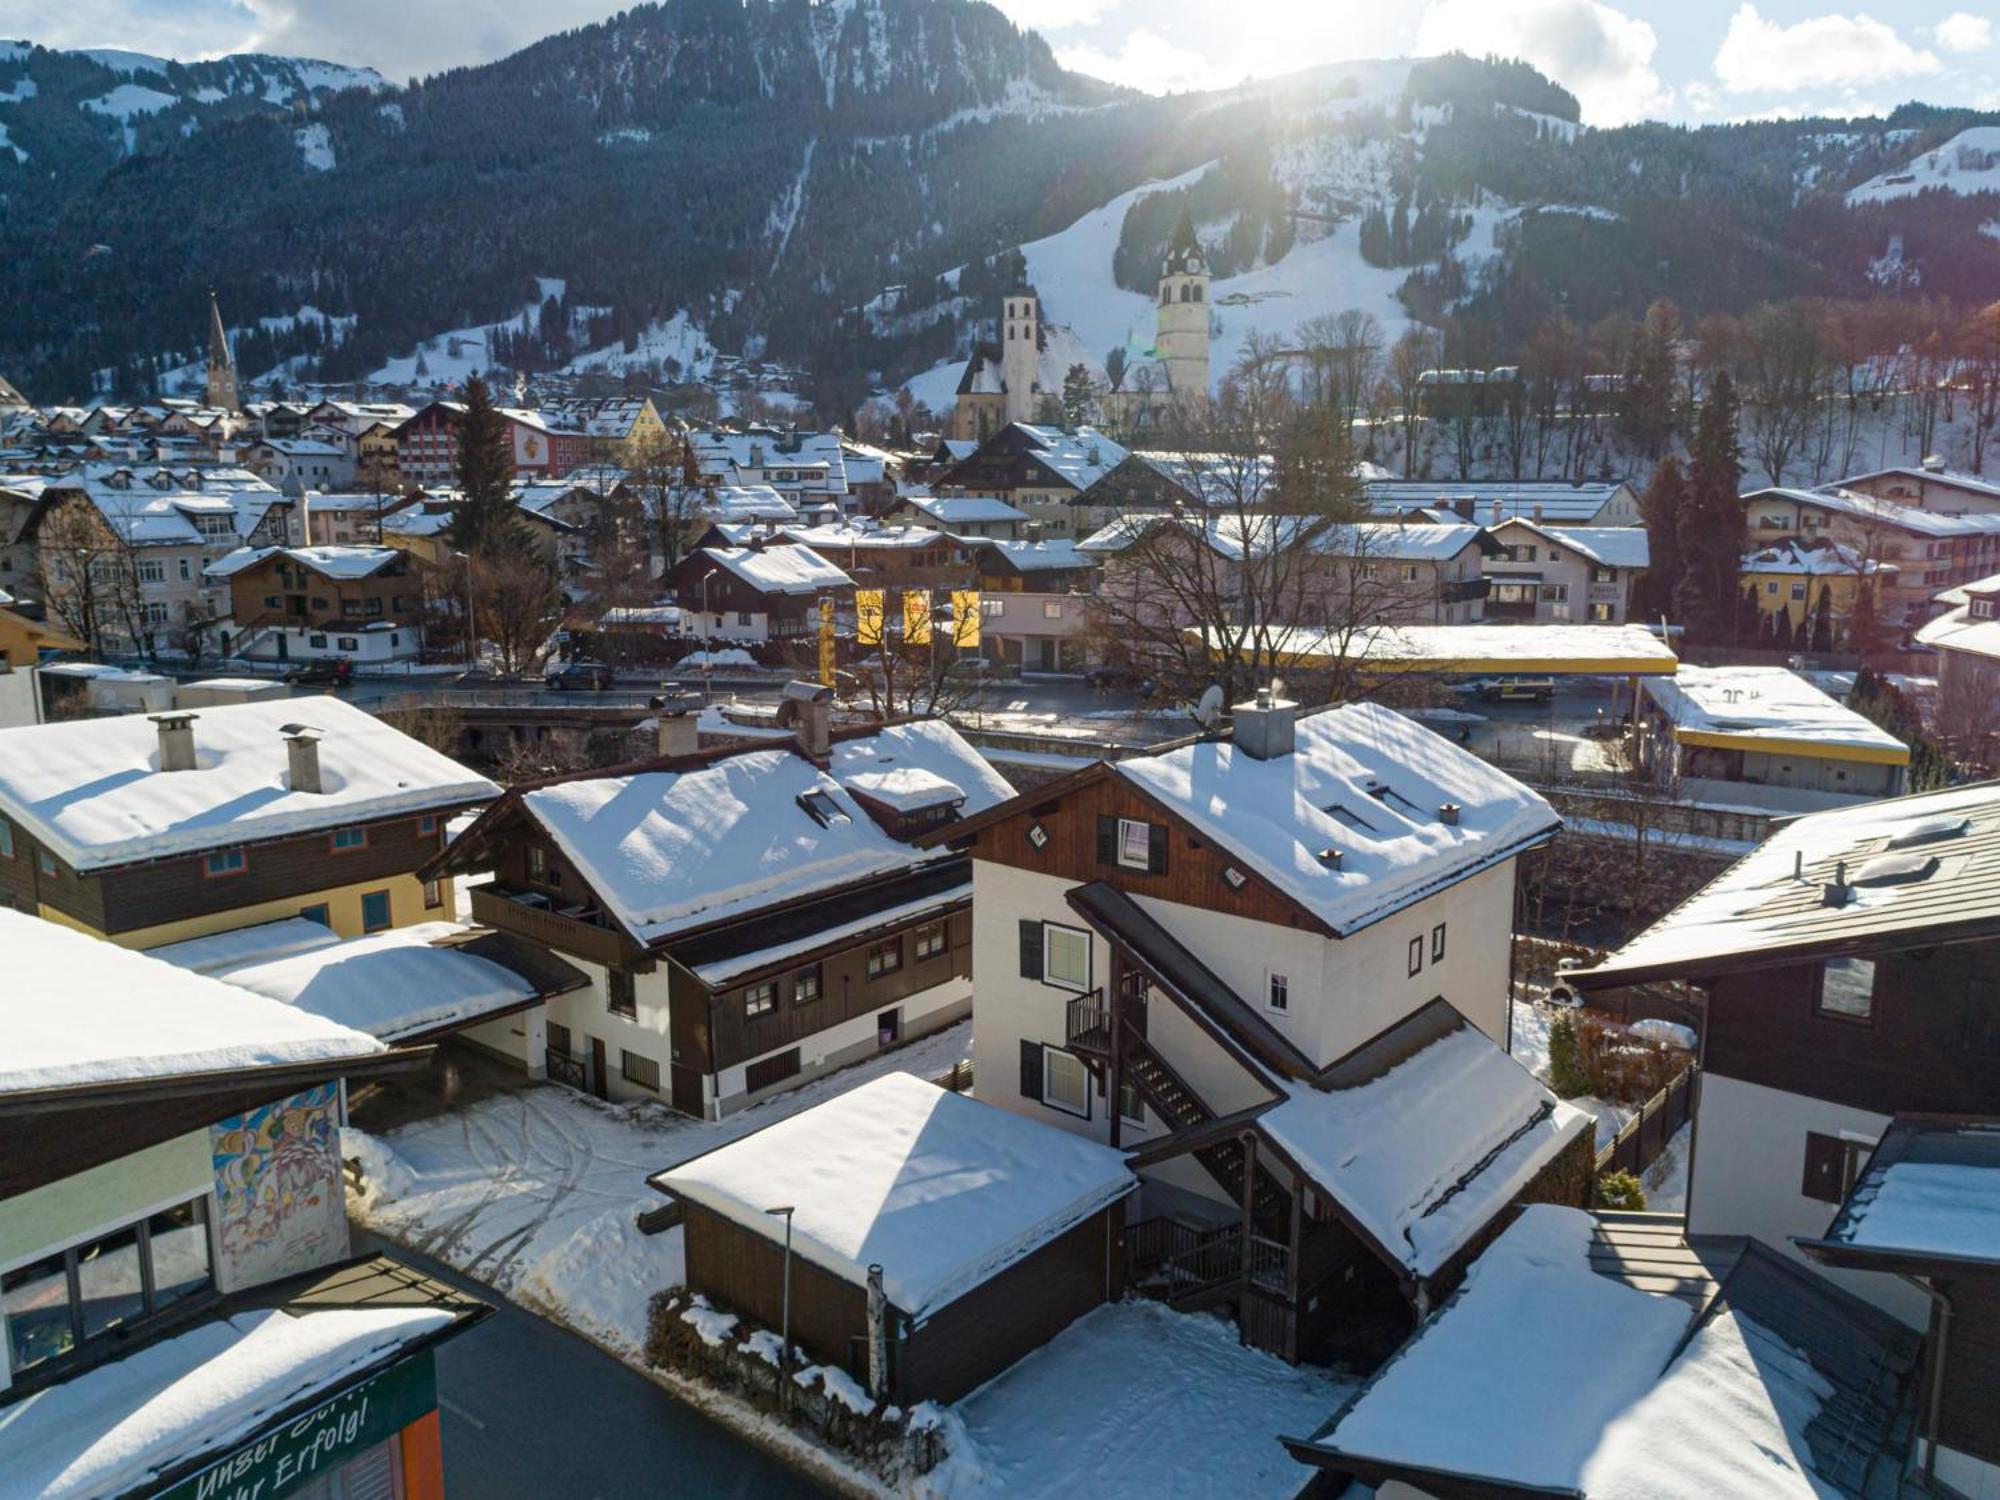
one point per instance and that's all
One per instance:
(1254, 1026)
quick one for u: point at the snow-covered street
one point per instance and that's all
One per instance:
(535, 1191)
(1169, 1402)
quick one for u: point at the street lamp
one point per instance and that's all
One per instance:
(785, 1318)
(708, 665)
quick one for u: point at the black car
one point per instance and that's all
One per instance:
(334, 671)
(592, 675)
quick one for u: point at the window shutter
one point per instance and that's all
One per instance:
(1107, 840)
(1156, 848)
(1826, 1166)
(1031, 950)
(1031, 1070)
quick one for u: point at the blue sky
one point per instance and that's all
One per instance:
(1691, 60)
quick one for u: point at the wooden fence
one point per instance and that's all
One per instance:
(1642, 1138)
(957, 1079)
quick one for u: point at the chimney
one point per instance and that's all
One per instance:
(302, 750)
(176, 740)
(679, 727)
(1836, 893)
(1536, 510)
(1448, 814)
(812, 717)
(1933, 463)
(1265, 729)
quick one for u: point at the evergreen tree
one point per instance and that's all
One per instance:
(1568, 1076)
(1749, 618)
(1079, 395)
(1864, 624)
(1660, 508)
(484, 522)
(1822, 625)
(1712, 533)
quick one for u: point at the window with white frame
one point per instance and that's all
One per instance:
(930, 941)
(1066, 956)
(1135, 844)
(1065, 1082)
(761, 999)
(1278, 993)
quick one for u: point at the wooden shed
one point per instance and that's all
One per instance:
(935, 1239)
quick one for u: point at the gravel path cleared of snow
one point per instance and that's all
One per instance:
(535, 1192)
(1170, 1402)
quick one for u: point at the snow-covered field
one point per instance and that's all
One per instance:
(1967, 163)
(535, 1191)
(1170, 1403)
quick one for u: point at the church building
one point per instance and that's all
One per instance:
(1013, 377)
(220, 391)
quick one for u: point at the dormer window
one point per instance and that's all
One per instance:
(821, 808)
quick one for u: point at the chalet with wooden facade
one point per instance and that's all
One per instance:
(1275, 970)
(1043, 472)
(750, 918)
(303, 603)
(149, 831)
(1034, 603)
(181, 1312)
(760, 592)
(1851, 968)
(934, 1240)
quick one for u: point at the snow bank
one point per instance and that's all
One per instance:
(384, 1174)
(601, 1279)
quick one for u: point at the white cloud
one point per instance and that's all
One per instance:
(1146, 61)
(1961, 31)
(1760, 56)
(1055, 15)
(1594, 50)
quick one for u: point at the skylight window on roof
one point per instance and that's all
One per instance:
(1930, 830)
(1381, 791)
(1895, 869)
(822, 809)
(1351, 818)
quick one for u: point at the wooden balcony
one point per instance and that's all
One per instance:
(581, 932)
(1087, 1025)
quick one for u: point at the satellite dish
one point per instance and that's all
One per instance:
(1209, 709)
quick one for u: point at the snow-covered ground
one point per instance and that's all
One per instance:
(1171, 1403)
(535, 1191)
(1967, 163)
(1666, 1180)
(1531, 1050)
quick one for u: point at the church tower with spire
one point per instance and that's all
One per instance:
(1181, 337)
(221, 388)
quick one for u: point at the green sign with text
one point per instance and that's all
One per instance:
(316, 1444)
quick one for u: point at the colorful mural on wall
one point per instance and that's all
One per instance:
(280, 1209)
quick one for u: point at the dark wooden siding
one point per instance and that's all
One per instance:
(846, 992)
(745, 1273)
(962, 1346)
(1933, 1043)
(172, 890)
(78, 896)
(17, 875)
(1969, 1418)
(968, 1342)
(1194, 866)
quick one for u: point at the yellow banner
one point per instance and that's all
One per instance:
(868, 617)
(964, 617)
(826, 639)
(916, 617)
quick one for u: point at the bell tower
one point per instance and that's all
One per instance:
(1181, 341)
(1020, 350)
(221, 386)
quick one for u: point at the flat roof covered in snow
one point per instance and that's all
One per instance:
(81, 1012)
(91, 790)
(1467, 650)
(1364, 780)
(1930, 1195)
(941, 1191)
(1768, 710)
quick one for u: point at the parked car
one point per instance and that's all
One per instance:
(334, 671)
(1518, 689)
(594, 676)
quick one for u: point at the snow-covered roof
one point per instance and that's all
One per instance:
(1957, 479)
(669, 851)
(904, 788)
(80, 1011)
(417, 521)
(1423, 1180)
(389, 984)
(219, 952)
(1868, 510)
(1773, 905)
(1517, 1379)
(1929, 1208)
(941, 1191)
(114, 1429)
(1388, 776)
(329, 562)
(1079, 458)
(1458, 649)
(745, 502)
(1819, 558)
(1752, 708)
(1041, 556)
(795, 569)
(964, 510)
(1957, 630)
(1607, 546)
(1492, 501)
(867, 536)
(91, 789)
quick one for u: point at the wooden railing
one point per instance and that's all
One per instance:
(957, 1079)
(1188, 1259)
(1641, 1139)
(562, 1068)
(1087, 1024)
(492, 907)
